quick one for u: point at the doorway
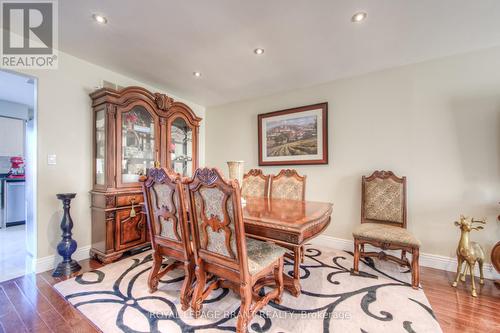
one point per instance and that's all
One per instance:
(17, 174)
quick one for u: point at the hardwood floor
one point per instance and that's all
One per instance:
(455, 309)
(30, 304)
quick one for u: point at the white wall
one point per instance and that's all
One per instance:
(435, 122)
(64, 129)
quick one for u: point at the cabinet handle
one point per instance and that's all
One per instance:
(132, 209)
(140, 225)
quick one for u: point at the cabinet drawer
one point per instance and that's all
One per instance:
(130, 230)
(127, 199)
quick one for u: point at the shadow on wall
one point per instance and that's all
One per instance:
(477, 123)
(349, 201)
(54, 230)
(433, 224)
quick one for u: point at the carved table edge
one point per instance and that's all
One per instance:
(279, 226)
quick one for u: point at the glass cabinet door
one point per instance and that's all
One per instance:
(100, 147)
(181, 147)
(138, 143)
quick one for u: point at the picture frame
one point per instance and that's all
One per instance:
(296, 136)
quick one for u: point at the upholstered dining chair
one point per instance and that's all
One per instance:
(383, 222)
(288, 184)
(169, 230)
(255, 184)
(222, 250)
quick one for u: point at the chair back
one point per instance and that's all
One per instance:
(383, 199)
(167, 219)
(255, 184)
(217, 223)
(288, 184)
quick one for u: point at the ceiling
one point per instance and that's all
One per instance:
(17, 88)
(162, 42)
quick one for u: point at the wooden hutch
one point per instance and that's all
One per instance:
(134, 129)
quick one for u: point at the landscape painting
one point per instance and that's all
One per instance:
(294, 136)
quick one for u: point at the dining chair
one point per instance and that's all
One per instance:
(255, 184)
(383, 222)
(288, 184)
(169, 230)
(221, 249)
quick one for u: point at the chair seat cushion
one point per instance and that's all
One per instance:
(386, 234)
(261, 254)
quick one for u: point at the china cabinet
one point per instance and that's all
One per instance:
(134, 130)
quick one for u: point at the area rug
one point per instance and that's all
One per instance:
(116, 299)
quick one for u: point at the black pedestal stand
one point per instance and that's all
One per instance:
(67, 245)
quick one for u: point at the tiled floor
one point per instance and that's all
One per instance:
(14, 259)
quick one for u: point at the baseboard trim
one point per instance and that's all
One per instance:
(50, 262)
(426, 259)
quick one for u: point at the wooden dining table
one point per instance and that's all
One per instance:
(289, 223)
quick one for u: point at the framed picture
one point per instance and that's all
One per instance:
(294, 136)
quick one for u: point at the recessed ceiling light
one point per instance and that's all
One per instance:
(358, 17)
(258, 51)
(197, 74)
(100, 19)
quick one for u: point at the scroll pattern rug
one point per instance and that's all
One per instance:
(116, 299)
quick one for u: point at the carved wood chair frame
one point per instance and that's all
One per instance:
(229, 271)
(179, 248)
(260, 174)
(359, 243)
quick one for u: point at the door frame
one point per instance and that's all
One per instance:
(31, 159)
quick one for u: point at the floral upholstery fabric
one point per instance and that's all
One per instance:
(287, 188)
(212, 199)
(167, 228)
(161, 196)
(384, 200)
(260, 254)
(253, 186)
(386, 234)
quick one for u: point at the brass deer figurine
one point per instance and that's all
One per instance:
(469, 252)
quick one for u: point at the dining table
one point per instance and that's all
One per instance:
(289, 223)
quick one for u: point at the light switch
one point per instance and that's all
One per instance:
(51, 159)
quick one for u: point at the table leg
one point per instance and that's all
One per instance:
(293, 284)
